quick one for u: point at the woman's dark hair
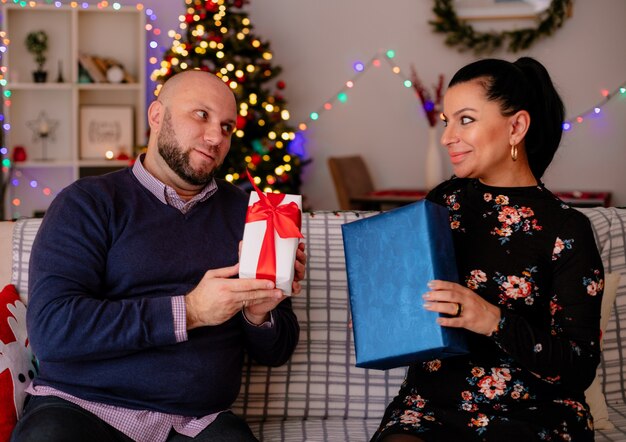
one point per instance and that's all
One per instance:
(523, 85)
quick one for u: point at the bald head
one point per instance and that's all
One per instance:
(188, 81)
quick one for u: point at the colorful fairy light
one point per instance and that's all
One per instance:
(360, 68)
(620, 91)
(20, 177)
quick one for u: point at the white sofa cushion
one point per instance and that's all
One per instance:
(319, 395)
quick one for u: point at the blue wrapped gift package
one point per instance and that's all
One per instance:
(390, 258)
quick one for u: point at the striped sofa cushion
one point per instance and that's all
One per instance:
(23, 236)
(610, 229)
(609, 226)
(320, 380)
(319, 395)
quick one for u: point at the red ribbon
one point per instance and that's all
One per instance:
(283, 219)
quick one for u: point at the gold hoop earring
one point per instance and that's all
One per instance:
(514, 152)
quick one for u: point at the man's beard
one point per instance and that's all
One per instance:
(177, 159)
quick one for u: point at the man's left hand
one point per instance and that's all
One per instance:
(259, 313)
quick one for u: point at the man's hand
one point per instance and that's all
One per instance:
(257, 313)
(217, 298)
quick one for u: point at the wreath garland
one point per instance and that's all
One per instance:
(460, 33)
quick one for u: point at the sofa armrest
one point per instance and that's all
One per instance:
(6, 251)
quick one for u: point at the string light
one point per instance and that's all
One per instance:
(361, 68)
(19, 177)
(340, 96)
(595, 110)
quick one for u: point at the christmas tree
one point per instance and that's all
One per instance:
(216, 36)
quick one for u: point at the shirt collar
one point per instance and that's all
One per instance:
(166, 194)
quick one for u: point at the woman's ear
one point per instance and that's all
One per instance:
(520, 122)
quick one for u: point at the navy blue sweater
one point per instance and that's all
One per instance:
(105, 264)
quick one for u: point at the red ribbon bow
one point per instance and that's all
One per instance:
(283, 219)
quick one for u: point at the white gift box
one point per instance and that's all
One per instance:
(253, 240)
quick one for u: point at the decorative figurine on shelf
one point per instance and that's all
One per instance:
(19, 154)
(115, 74)
(43, 129)
(122, 155)
(60, 78)
(37, 44)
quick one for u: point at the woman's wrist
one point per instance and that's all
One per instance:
(495, 323)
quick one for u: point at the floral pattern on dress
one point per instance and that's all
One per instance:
(479, 422)
(432, 366)
(595, 284)
(514, 288)
(413, 415)
(490, 386)
(579, 408)
(560, 433)
(555, 307)
(512, 218)
(559, 246)
(453, 206)
(488, 389)
(476, 279)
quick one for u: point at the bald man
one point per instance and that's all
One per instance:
(135, 315)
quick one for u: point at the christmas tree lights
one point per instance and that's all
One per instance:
(217, 36)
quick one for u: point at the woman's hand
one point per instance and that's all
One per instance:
(468, 310)
(300, 269)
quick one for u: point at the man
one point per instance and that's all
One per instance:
(134, 314)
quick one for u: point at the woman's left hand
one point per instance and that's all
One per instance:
(467, 308)
(300, 269)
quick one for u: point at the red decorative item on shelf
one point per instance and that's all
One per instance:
(122, 156)
(431, 106)
(19, 154)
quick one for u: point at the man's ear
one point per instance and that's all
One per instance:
(520, 122)
(154, 114)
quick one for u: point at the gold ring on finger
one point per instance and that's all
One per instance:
(459, 309)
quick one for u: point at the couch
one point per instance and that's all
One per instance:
(319, 395)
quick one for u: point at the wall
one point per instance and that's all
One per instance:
(316, 43)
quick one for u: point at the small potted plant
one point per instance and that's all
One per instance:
(37, 44)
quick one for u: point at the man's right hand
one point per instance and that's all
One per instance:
(217, 297)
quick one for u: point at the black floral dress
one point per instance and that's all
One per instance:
(536, 258)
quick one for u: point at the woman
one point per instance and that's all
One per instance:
(530, 275)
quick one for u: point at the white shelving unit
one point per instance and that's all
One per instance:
(108, 33)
